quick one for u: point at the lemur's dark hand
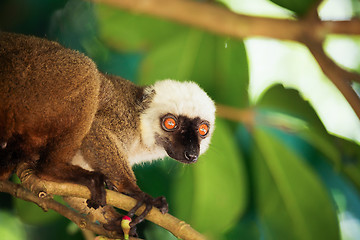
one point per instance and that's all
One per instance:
(98, 193)
(149, 202)
(161, 204)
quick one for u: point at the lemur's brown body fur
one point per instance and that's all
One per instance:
(52, 106)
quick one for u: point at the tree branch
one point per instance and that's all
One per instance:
(46, 203)
(338, 76)
(44, 189)
(222, 21)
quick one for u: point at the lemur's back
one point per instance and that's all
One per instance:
(49, 96)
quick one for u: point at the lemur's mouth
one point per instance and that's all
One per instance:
(185, 154)
(184, 157)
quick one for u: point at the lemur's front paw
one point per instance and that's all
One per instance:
(94, 204)
(97, 189)
(161, 204)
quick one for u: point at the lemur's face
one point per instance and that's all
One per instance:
(182, 136)
(180, 119)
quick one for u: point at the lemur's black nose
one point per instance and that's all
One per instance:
(191, 156)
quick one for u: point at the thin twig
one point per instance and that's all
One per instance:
(339, 77)
(246, 116)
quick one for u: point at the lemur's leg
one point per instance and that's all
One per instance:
(98, 144)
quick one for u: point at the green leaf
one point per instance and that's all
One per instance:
(290, 102)
(300, 7)
(32, 214)
(285, 109)
(291, 200)
(349, 154)
(297, 115)
(123, 30)
(246, 228)
(11, 227)
(204, 58)
(161, 175)
(212, 194)
(154, 232)
(228, 77)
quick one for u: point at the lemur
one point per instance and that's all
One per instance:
(72, 123)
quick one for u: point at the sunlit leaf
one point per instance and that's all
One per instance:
(291, 200)
(215, 188)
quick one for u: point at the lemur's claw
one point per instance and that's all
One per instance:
(149, 202)
(161, 204)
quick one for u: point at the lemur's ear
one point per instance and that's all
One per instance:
(147, 95)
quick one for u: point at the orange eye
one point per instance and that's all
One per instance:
(203, 129)
(169, 123)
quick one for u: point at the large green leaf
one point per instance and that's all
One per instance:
(349, 155)
(285, 108)
(217, 63)
(289, 101)
(123, 30)
(212, 194)
(291, 200)
(11, 227)
(32, 214)
(300, 7)
(298, 116)
(154, 232)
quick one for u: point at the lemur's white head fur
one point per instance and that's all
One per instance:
(184, 99)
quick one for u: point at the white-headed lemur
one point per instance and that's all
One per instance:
(73, 123)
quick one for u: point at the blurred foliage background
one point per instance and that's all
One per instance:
(293, 173)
